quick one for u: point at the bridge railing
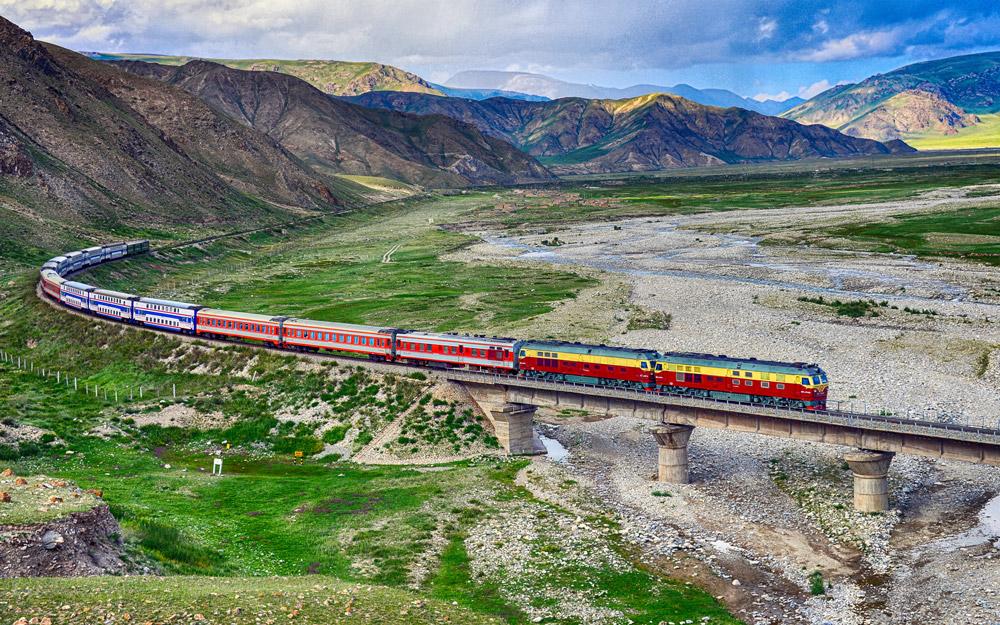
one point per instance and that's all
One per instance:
(881, 422)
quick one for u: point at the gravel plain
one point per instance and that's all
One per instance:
(763, 514)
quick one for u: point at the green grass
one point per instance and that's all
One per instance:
(334, 271)
(851, 308)
(239, 601)
(985, 134)
(751, 187)
(970, 233)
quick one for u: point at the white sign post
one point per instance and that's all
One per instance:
(217, 467)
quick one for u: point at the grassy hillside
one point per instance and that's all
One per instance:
(333, 77)
(985, 134)
(390, 543)
(952, 92)
(237, 601)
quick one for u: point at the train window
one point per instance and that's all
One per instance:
(736, 373)
(805, 381)
(747, 374)
(645, 365)
(697, 377)
(781, 386)
(680, 377)
(523, 353)
(765, 385)
(736, 382)
(659, 366)
(748, 382)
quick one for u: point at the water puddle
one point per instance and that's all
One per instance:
(988, 530)
(554, 450)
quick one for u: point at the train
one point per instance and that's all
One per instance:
(743, 380)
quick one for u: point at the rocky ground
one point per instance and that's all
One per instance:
(768, 522)
(49, 527)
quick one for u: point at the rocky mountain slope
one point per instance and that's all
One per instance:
(246, 158)
(575, 135)
(553, 88)
(333, 77)
(336, 137)
(937, 97)
(73, 153)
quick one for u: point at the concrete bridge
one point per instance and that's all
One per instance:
(510, 403)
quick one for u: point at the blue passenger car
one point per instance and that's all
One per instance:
(76, 294)
(166, 314)
(113, 304)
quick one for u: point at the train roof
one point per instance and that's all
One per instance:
(596, 350)
(232, 314)
(116, 293)
(119, 244)
(73, 254)
(459, 337)
(57, 259)
(745, 364)
(333, 325)
(53, 275)
(167, 302)
(95, 248)
(79, 285)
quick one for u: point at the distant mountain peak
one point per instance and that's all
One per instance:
(553, 88)
(646, 133)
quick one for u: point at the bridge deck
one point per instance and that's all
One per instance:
(868, 422)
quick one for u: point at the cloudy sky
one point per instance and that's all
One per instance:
(754, 47)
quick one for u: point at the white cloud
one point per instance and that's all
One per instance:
(805, 92)
(766, 27)
(780, 96)
(857, 45)
(821, 26)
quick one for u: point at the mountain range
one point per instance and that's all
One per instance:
(347, 78)
(85, 145)
(335, 137)
(945, 97)
(552, 88)
(646, 133)
(332, 77)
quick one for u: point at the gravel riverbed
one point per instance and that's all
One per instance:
(765, 514)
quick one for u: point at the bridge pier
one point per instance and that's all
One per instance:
(673, 459)
(871, 483)
(515, 427)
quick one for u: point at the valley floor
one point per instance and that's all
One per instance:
(590, 539)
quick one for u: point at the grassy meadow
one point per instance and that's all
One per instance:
(985, 134)
(702, 190)
(341, 270)
(322, 539)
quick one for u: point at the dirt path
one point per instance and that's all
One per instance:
(387, 257)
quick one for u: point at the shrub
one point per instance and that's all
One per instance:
(308, 445)
(336, 434)
(816, 585)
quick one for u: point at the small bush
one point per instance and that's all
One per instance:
(816, 585)
(336, 434)
(308, 445)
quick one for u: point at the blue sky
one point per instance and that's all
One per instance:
(754, 47)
